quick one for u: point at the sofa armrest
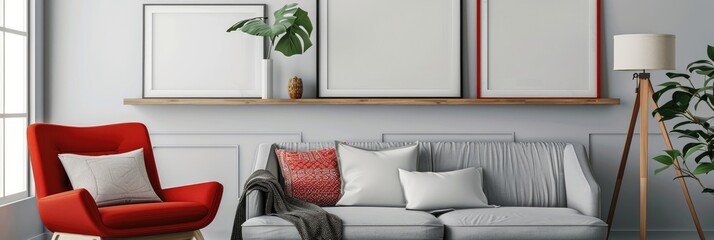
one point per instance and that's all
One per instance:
(582, 192)
(70, 211)
(265, 159)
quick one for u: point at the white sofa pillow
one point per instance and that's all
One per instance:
(371, 178)
(111, 179)
(456, 189)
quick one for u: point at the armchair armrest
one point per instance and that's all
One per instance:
(582, 192)
(70, 211)
(208, 194)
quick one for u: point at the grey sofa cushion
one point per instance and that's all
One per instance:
(525, 174)
(359, 223)
(522, 223)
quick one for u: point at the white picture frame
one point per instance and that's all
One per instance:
(189, 54)
(538, 49)
(363, 51)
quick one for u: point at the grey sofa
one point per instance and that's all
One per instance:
(545, 190)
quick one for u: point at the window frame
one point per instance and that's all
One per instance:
(33, 88)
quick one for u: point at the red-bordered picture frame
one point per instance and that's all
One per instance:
(535, 14)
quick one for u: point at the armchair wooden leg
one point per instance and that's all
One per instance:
(195, 235)
(70, 236)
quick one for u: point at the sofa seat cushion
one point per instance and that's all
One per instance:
(522, 223)
(358, 223)
(151, 214)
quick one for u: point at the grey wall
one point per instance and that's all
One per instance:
(20, 220)
(94, 60)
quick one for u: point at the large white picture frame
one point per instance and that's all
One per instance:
(389, 48)
(538, 49)
(189, 54)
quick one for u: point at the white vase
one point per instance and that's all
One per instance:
(267, 79)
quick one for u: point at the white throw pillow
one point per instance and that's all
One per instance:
(456, 189)
(371, 178)
(111, 179)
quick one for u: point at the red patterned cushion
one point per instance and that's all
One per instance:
(311, 176)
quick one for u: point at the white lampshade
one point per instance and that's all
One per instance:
(644, 52)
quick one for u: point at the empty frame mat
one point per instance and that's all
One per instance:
(188, 53)
(538, 48)
(389, 48)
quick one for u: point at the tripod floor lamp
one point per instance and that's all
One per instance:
(642, 52)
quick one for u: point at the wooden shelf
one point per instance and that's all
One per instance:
(373, 101)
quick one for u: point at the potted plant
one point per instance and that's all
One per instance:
(289, 34)
(691, 106)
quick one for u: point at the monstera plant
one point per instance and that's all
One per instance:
(292, 29)
(692, 106)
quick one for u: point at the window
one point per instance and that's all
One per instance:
(14, 100)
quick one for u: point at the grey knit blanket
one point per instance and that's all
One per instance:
(312, 222)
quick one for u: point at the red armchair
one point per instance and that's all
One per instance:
(185, 209)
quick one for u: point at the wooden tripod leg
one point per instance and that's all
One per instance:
(623, 163)
(644, 160)
(682, 183)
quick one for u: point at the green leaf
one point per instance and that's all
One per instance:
(705, 72)
(659, 93)
(705, 89)
(703, 61)
(701, 156)
(692, 150)
(668, 110)
(706, 82)
(664, 159)
(659, 170)
(700, 68)
(672, 75)
(242, 23)
(664, 114)
(284, 18)
(666, 84)
(673, 153)
(703, 98)
(685, 133)
(688, 89)
(710, 52)
(689, 146)
(703, 168)
(256, 26)
(707, 137)
(297, 38)
(285, 11)
(682, 124)
(303, 20)
(682, 100)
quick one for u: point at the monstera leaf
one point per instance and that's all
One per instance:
(291, 22)
(297, 38)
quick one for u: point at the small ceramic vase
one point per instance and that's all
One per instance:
(295, 88)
